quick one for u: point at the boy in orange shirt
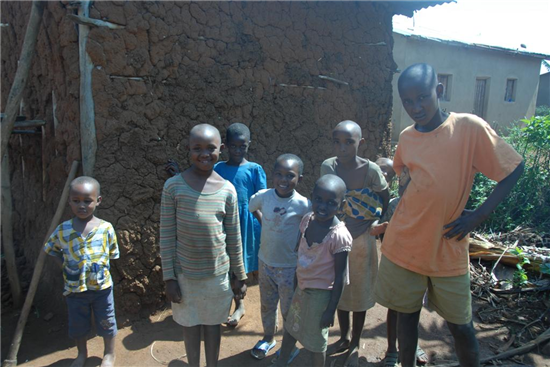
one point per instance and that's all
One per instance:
(426, 242)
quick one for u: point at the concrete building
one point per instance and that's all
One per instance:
(543, 97)
(496, 83)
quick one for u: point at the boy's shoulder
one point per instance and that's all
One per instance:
(177, 179)
(263, 193)
(330, 162)
(297, 197)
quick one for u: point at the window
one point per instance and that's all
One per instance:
(510, 95)
(446, 80)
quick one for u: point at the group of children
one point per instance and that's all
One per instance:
(317, 257)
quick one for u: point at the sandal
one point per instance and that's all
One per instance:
(292, 357)
(391, 359)
(262, 346)
(421, 356)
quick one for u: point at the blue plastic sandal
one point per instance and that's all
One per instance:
(292, 357)
(262, 346)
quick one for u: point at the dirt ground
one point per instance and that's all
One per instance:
(45, 343)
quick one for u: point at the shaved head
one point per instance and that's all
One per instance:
(332, 183)
(350, 127)
(205, 131)
(418, 74)
(85, 180)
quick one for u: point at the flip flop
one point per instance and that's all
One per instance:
(391, 359)
(262, 346)
(292, 357)
(420, 353)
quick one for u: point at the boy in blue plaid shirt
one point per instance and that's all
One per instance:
(83, 247)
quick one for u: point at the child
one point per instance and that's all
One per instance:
(83, 246)
(321, 274)
(282, 210)
(378, 229)
(426, 242)
(367, 197)
(200, 242)
(248, 178)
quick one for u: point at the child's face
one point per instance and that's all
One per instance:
(346, 144)
(285, 177)
(204, 151)
(325, 203)
(420, 100)
(387, 170)
(83, 200)
(237, 147)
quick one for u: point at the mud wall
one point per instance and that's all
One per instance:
(178, 64)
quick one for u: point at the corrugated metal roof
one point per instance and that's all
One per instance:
(471, 45)
(407, 8)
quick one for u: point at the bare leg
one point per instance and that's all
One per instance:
(192, 340)
(352, 359)
(109, 352)
(407, 335)
(239, 312)
(466, 345)
(288, 345)
(391, 325)
(318, 359)
(212, 339)
(341, 344)
(82, 352)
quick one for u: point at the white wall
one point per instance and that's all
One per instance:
(465, 64)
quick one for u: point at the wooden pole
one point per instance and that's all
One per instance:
(7, 233)
(22, 74)
(88, 142)
(11, 360)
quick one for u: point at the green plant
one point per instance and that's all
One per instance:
(529, 202)
(520, 275)
(542, 111)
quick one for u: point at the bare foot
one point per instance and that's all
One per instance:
(352, 359)
(108, 360)
(341, 345)
(79, 361)
(234, 319)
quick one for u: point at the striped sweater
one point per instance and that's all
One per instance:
(199, 232)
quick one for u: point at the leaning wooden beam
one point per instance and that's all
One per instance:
(43, 146)
(84, 20)
(29, 123)
(11, 360)
(88, 142)
(22, 74)
(7, 234)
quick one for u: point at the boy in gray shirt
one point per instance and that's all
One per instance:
(282, 210)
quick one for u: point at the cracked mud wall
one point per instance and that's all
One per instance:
(178, 64)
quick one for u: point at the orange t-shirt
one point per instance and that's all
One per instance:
(442, 164)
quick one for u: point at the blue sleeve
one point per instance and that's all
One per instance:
(261, 180)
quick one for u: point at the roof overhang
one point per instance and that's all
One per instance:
(407, 8)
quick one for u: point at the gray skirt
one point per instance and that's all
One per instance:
(204, 301)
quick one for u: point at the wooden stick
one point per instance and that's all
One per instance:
(43, 131)
(84, 20)
(7, 233)
(88, 142)
(29, 123)
(22, 74)
(16, 342)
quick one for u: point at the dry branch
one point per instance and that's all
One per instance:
(22, 73)
(93, 22)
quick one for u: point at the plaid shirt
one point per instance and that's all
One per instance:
(85, 259)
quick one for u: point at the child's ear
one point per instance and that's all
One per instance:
(222, 146)
(439, 89)
(99, 198)
(300, 178)
(362, 141)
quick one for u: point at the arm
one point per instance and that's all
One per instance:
(471, 219)
(258, 215)
(167, 244)
(385, 196)
(340, 263)
(233, 239)
(52, 248)
(58, 261)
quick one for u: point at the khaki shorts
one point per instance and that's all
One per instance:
(402, 290)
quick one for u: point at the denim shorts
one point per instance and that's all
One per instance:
(80, 306)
